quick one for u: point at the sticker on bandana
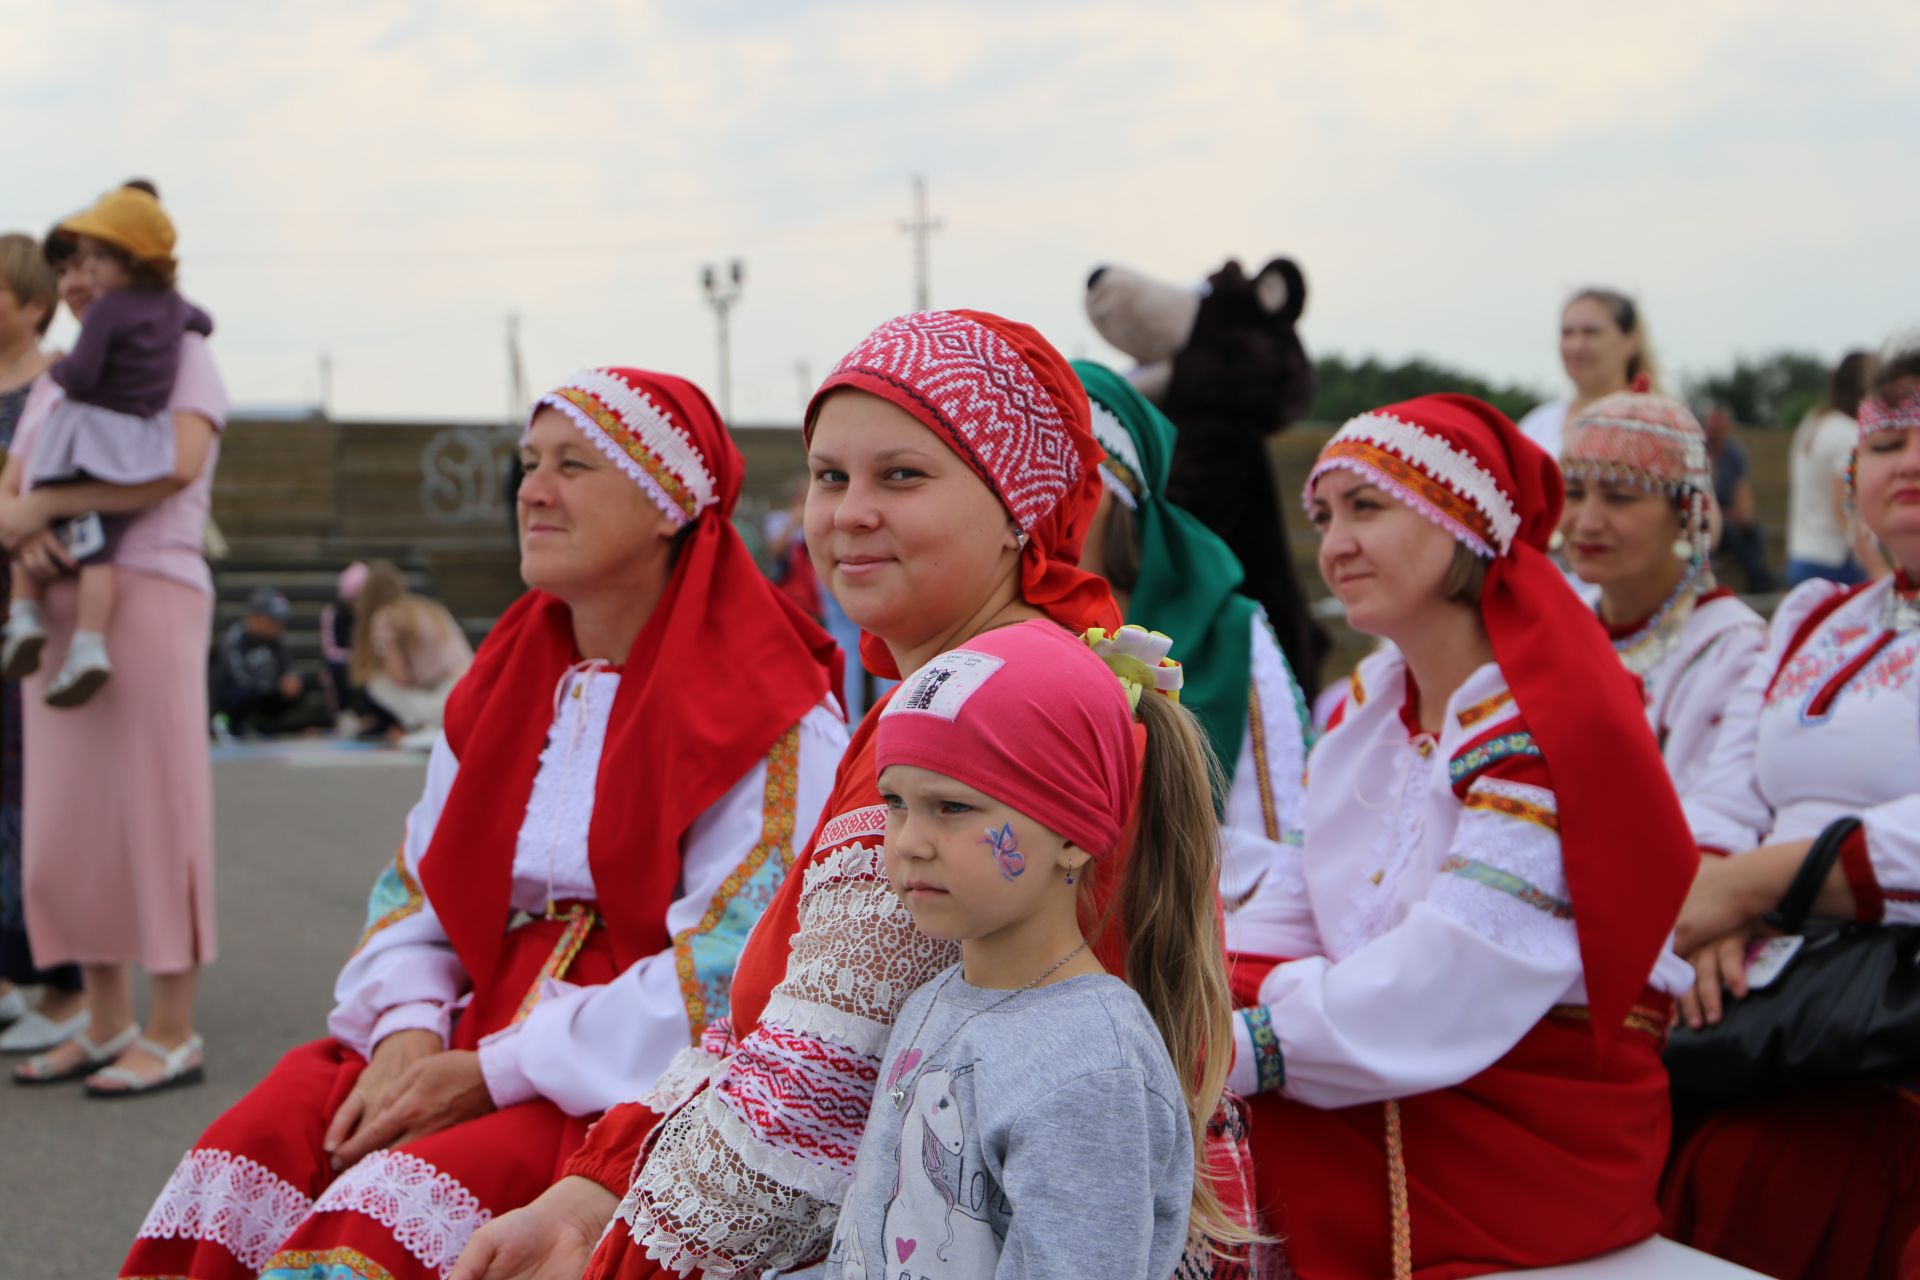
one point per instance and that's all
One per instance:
(943, 686)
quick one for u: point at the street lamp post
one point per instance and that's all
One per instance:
(723, 290)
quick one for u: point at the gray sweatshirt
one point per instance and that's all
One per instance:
(1048, 1138)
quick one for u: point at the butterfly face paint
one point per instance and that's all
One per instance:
(1005, 847)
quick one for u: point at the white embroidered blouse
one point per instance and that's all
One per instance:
(1689, 689)
(1432, 927)
(586, 1048)
(1833, 733)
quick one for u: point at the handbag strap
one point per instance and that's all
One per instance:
(1797, 903)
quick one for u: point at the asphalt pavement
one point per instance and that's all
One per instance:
(301, 829)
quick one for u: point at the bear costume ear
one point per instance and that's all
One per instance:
(1281, 289)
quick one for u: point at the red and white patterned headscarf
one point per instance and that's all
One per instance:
(999, 395)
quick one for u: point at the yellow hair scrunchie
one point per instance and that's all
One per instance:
(1139, 658)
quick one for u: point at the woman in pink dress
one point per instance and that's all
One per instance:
(118, 824)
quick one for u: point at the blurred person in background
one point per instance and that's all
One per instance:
(122, 874)
(27, 301)
(1820, 527)
(1604, 348)
(1741, 536)
(255, 686)
(1638, 524)
(355, 714)
(408, 653)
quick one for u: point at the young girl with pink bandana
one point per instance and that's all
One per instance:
(1009, 768)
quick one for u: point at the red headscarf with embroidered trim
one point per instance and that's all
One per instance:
(723, 667)
(1629, 855)
(1000, 396)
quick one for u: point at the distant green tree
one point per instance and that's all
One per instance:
(1347, 387)
(1765, 391)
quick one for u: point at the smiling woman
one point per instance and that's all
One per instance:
(953, 477)
(1476, 908)
(623, 779)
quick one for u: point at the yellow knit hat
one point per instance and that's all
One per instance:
(130, 219)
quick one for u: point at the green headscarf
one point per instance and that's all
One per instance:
(1189, 580)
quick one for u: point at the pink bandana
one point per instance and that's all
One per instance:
(1031, 716)
(1902, 415)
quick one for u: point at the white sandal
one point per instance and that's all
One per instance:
(93, 1057)
(174, 1070)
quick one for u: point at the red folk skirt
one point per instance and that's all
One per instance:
(1551, 1155)
(1819, 1185)
(256, 1196)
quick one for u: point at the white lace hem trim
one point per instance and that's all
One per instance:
(430, 1214)
(228, 1200)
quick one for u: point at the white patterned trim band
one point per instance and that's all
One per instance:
(651, 427)
(430, 1214)
(228, 1200)
(1120, 470)
(1438, 460)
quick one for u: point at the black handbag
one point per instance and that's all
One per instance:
(1847, 1006)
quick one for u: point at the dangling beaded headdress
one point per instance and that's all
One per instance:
(1651, 442)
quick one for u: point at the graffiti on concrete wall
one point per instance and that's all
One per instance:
(463, 475)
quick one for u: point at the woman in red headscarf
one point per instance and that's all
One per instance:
(618, 792)
(1457, 1068)
(955, 473)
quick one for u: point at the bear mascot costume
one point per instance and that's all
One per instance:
(1225, 363)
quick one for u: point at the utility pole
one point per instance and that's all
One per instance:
(921, 227)
(326, 384)
(517, 402)
(723, 290)
(804, 372)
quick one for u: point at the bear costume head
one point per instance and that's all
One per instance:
(1224, 361)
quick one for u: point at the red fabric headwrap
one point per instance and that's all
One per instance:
(1001, 397)
(723, 667)
(1029, 715)
(1629, 855)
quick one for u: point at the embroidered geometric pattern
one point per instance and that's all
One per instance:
(227, 1200)
(705, 954)
(986, 399)
(1481, 710)
(1484, 755)
(1515, 800)
(624, 423)
(430, 1214)
(1508, 883)
(324, 1264)
(1647, 441)
(396, 895)
(855, 824)
(1270, 1066)
(581, 921)
(801, 1094)
(1903, 415)
(1441, 482)
(1644, 1019)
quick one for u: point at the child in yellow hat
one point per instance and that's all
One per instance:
(112, 424)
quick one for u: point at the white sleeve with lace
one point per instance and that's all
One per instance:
(748, 1176)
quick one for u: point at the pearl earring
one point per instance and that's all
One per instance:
(1682, 549)
(1556, 540)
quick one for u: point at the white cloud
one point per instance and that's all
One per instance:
(387, 180)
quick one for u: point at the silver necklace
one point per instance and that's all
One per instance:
(899, 1091)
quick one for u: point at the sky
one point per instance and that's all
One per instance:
(386, 181)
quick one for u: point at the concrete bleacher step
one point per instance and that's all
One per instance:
(1654, 1259)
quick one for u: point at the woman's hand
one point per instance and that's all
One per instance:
(391, 1060)
(1729, 893)
(436, 1093)
(550, 1239)
(1720, 963)
(44, 557)
(21, 517)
